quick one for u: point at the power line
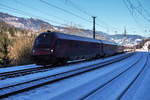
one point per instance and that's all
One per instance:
(11, 10)
(69, 12)
(87, 13)
(79, 8)
(32, 15)
(64, 10)
(41, 11)
(130, 9)
(138, 11)
(140, 4)
(26, 13)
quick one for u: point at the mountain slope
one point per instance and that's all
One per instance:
(23, 23)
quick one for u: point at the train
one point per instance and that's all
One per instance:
(56, 47)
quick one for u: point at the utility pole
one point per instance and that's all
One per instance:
(93, 26)
(116, 34)
(124, 37)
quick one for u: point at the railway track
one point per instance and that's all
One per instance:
(16, 88)
(107, 84)
(13, 74)
(17, 73)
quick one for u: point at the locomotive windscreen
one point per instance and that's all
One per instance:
(42, 41)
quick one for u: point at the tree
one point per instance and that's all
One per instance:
(11, 30)
(4, 48)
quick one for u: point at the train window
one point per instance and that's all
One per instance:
(43, 41)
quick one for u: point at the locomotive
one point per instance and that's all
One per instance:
(55, 47)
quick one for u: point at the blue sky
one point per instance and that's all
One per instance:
(112, 15)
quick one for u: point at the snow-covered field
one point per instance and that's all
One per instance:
(142, 50)
(116, 88)
(15, 68)
(78, 87)
(30, 77)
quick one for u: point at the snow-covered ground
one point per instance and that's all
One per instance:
(30, 77)
(142, 50)
(141, 87)
(115, 89)
(77, 87)
(15, 68)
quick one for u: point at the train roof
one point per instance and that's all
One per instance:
(79, 38)
(73, 37)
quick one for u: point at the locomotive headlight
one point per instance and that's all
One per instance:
(52, 50)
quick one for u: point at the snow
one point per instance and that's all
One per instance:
(30, 77)
(115, 88)
(145, 47)
(141, 50)
(140, 89)
(76, 60)
(15, 68)
(78, 86)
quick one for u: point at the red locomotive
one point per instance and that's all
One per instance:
(53, 47)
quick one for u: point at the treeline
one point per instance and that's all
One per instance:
(10, 30)
(15, 45)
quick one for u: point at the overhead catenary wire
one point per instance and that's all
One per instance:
(11, 10)
(64, 10)
(143, 9)
(28, 14)
(21, 12)
(130, 9)
(79, 8)
(82, 10)
(138, 11)
(38, 10)
(141, 6)
(46, 19)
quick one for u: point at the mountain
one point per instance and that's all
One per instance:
(36, 25)
(130, 39)
(24, 23)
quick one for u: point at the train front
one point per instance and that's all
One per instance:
(43, 52)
